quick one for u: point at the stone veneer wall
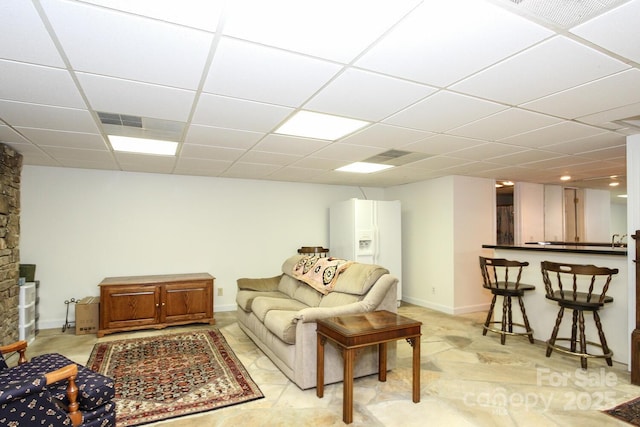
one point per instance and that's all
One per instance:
(10, 171)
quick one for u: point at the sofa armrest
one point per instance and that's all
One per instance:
(311, 314)
(265, 285)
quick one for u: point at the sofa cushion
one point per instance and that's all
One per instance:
(358, 278)
(307, 296)
(335, 299)
(262, 305)
(281, 323)
(245, 298)
(288, 285)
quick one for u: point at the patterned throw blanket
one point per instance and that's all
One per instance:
(319, 272)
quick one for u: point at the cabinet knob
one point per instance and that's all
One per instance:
(157, 305)
(163, 304)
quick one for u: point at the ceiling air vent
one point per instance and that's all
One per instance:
(564, 13)
(140, 127)
(396, 157)
(120, 119)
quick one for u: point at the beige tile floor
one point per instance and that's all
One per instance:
(467, 380)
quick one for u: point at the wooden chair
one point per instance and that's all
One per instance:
(579, 288)
(51, 390)
(502, 278)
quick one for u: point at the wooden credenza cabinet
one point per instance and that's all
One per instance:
(141, 302)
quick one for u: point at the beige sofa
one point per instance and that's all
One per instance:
(279, 315)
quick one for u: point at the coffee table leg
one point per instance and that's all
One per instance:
(415, 342)
(347, 393)
(320, 366)
(382, 362)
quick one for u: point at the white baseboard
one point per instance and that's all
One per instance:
(447, 309)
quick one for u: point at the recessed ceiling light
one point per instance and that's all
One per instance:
(507, 183)
(143, 146)
(614, 184)
(565, 178)
(319, 126)
(363, 167)
(624, 196)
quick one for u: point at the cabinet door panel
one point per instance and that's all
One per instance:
(187, 301)
(130, 306)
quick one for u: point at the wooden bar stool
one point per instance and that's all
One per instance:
(496, 274)
(579, 288)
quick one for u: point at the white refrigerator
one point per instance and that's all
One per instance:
(368, 231)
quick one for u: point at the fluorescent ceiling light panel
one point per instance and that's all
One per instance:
(143, 146)
(308, 124)
(363, 167)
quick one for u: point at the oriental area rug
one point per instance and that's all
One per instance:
(172, 375)
(628, 412)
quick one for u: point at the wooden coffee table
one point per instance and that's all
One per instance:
(361, 330)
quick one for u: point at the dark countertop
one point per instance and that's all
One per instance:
(576, 249)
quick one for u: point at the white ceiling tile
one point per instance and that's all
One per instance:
(564, 131)
(132, 162)
(347, 152)
(553, 65)
(221, 137)
(295, 174)
(606, 118)
(439, 162)
(441, 42)
(331, 29)
(203, 14)
(139, 99)
(385, 136)
(605, 94)
(321, 163)
(558, 162)
(504, 124)
(616, 30)
(486, 151)
(8, 135)
(32, 155)
(54, 138)
(441, 144)
(205, 167)
(102, 164)
(262, 157)
(249, 71)
(610, 153)
(367, 96)
(211, 153)
(249, 170)
(24, 36)
(443, 111)
(38, 84)
(583, 145)
(20, 114)
(524, 157)
(290, 144)
(231, 113)
(77, 154)
(106, 42)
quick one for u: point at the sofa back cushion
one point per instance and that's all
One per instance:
(288, 285)
(358, 278)
(335, 299)
(307, 295)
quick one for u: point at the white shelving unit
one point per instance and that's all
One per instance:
(27, 311)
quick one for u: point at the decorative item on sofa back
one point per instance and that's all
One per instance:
(279, 313)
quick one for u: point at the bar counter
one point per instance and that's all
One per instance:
(616, 320)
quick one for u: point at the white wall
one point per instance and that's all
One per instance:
(619, 219)
(79, 226)
(528, 205)
(445, 223)
(427, 242)
(597, 215)
(553, 213)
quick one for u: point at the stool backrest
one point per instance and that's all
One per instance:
(501, 273)
(571, 279)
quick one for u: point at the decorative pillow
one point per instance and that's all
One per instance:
(319, 272)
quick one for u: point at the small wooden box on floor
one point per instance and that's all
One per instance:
(155, 302)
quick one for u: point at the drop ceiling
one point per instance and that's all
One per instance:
(524, 90)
